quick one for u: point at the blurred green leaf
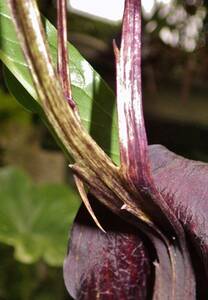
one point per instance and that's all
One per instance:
(11, 110)
(35, 219)
(94, 98)
(29, 281)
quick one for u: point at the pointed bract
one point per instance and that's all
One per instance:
(132, 134)
(84, 197)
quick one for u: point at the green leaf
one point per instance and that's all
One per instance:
(35, 219)
(94, 98)
(21, 94)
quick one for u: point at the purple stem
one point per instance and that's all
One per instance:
(132, 134)
(63, 59)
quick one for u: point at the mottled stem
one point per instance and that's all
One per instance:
(92, 164)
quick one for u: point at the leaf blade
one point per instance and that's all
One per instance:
(35, 219)
(91, 94)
